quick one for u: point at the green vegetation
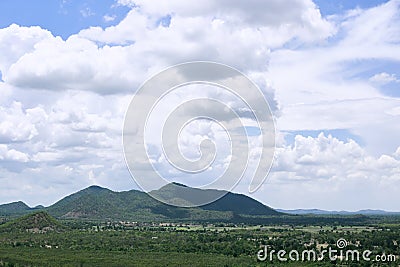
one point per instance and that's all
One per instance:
(37, 222)
(123, 243)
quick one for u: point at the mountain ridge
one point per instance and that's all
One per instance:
(98, 203)
(14, 208)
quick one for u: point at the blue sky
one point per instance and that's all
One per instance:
(330, 72)
(330, 7)
(61, 17)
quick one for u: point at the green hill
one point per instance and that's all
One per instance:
(37, 222)
(96, 203)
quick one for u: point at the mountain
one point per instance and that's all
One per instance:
(328, 212)
(97, 203)
(103, 204)
(38, 222)
(14, 208)
(236, 203)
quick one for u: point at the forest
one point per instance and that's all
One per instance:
(40, 240)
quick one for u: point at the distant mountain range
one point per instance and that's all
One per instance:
(97, 203)
(327, 212)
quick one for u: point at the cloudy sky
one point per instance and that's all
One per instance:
(330, 70)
